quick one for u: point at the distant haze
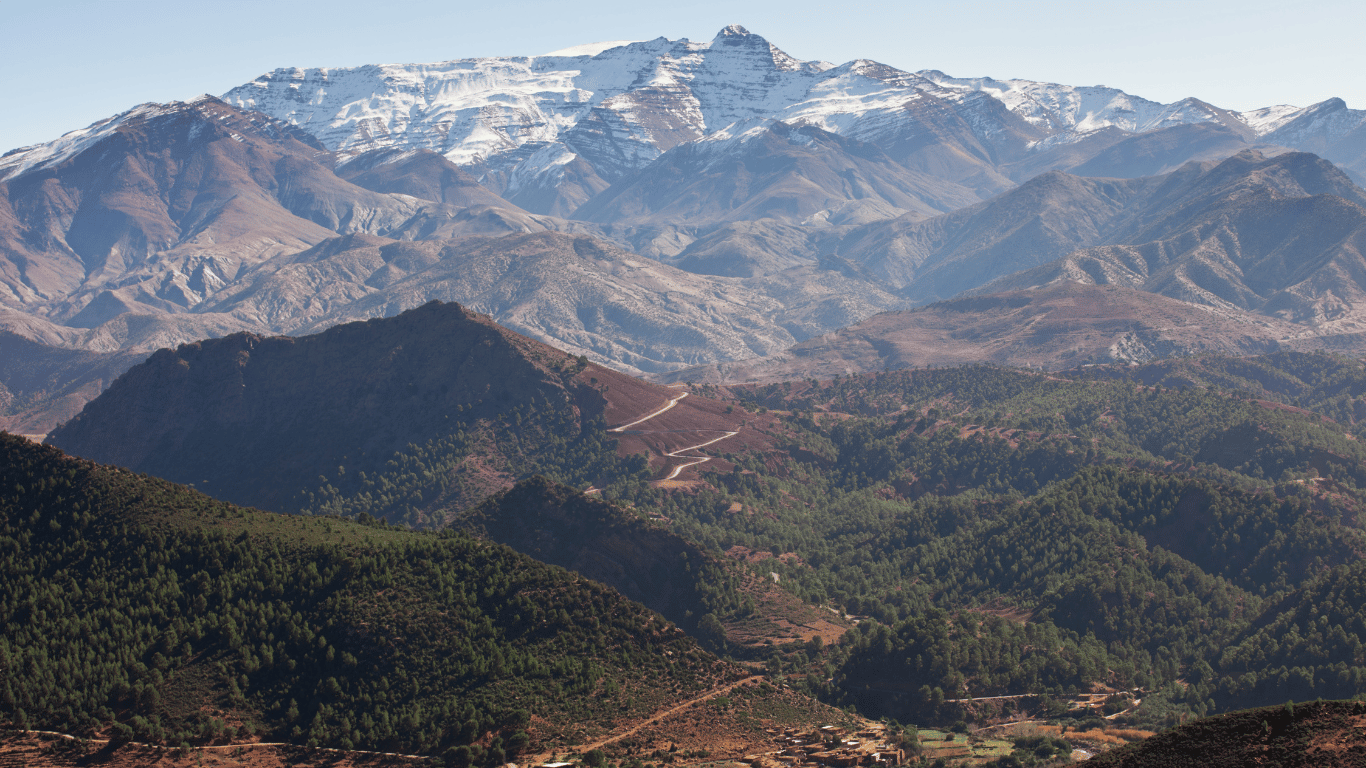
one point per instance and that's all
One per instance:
(69, 64)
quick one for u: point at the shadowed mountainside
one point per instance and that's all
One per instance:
(645, 562)
(41, 386)
(258, 420)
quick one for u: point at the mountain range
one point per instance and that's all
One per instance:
(660, 206)
(615, 108)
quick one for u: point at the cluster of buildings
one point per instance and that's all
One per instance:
(830, 746)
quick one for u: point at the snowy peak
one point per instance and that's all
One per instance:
(736, 36)
(600, 112)
(618, 108)
(178, 121)
(1080, 110)
(1074, 112)
(1267, 119)
(1317, 127)
(734, 32)
(588, 49)
(729, 140)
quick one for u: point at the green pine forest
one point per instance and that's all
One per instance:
(999, 531)
(131, 602)
(1190, 528)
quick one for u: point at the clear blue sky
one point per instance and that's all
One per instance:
(67, 63)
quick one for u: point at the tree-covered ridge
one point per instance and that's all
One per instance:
(135, 606)
(600, 540)
(1309, 644)
(1139, 531)
(1331, 385)
(1122, 419)
(997, 531)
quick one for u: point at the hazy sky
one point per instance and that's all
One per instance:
(65, 64)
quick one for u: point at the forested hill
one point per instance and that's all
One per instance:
(994, 531)
(259, 421)
(644, 561)
(138, 608)
(1331, 385)
(1005, 532)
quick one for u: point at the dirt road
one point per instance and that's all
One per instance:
(677, 453)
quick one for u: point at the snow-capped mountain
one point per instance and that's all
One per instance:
(630, 102)
(521, 122)
(593, 114)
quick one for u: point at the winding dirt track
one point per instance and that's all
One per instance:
(694, 461)
(676, 453)
(656, 717)
(649, 416)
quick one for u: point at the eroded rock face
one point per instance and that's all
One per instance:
(1214, 233)
(155, 209)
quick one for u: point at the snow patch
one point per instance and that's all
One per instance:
(590, 49)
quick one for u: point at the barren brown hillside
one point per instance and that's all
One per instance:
(1058, 326)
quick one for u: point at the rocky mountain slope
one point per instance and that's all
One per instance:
(154, 209)
(762, 169)
(1057, 326)
(1251, 254)
(1290, 257)
(1054, 214)
(579, 293)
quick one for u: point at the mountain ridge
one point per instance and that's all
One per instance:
(268, 409)
(622, 107)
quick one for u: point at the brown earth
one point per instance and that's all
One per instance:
(779, 616)
(727, 722)
(1321, 733)
(37, 749)
(742, 719)
(695, 419)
